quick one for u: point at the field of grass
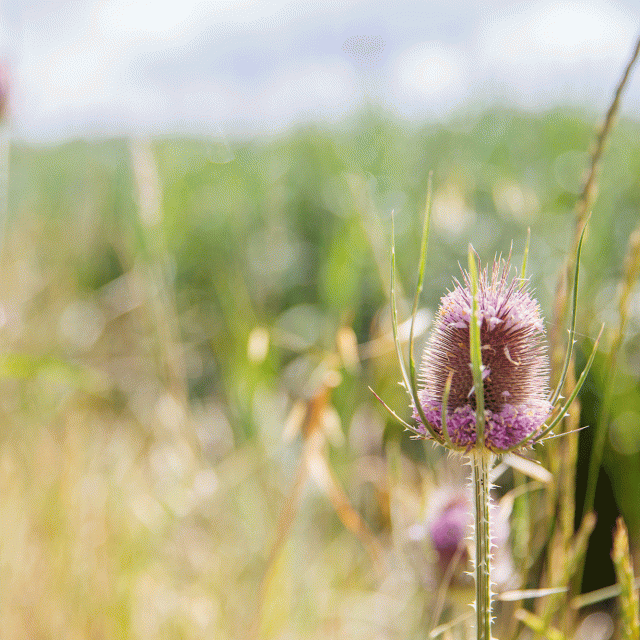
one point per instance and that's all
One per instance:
(190, 448)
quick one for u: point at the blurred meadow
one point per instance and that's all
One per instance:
(190, 448)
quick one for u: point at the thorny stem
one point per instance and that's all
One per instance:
(481, 464)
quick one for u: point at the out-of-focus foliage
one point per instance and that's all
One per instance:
(190, 448)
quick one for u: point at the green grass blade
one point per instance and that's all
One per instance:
(525, 257)
(410, 384)
(574, 393)
(600, 595)
(524, 594)
(628, 602)
(421, 269)
(572, 329)
(630, 277)
(394, 307)
(538, 626)
(447, 626)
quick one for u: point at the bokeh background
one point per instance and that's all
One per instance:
(195, 300)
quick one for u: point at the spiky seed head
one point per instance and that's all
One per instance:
(514, 358)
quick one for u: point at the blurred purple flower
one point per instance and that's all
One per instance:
(450, 528)
(4, 91)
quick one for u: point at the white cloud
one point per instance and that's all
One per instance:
(170, 20)
(118, 65)
(430, 76)
(548, 53)
(324, 88)
(53, 83)
(556, 35)
(167, 20)
(95, 69)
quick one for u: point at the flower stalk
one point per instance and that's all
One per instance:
(481, 462)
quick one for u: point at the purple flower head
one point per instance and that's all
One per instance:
(450, 528)
(449, 531)
(514, 357)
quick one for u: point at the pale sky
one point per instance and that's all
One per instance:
(105, 67)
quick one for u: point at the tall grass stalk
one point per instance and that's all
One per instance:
(629, 279)
(629, 607)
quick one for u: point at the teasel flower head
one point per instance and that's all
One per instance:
(488, 336)
(515, 364)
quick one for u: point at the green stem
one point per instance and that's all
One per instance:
(481, 485)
